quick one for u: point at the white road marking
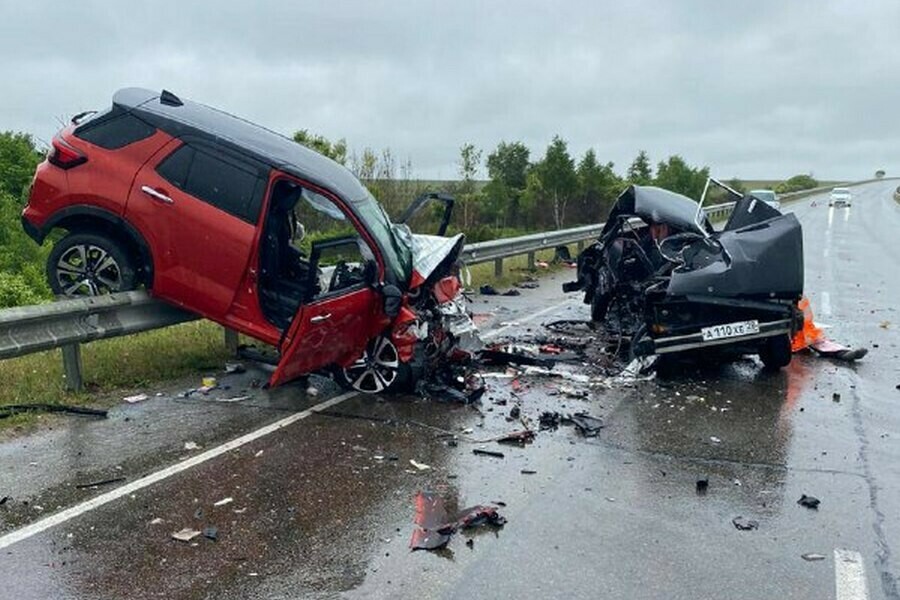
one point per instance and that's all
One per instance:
(826, 304)
(129, 488)
(138, 484)
(490, 334)
(850, 575)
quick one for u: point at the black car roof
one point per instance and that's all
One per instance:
(184, 117)
(657, 205)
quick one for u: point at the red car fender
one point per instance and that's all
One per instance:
(404, 333)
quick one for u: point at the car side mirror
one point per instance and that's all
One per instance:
(393, 300)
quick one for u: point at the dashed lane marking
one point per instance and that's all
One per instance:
(850, 575)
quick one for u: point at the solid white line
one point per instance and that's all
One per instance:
(488, 335)
(826, 304)
(850, 575)
(129, 488)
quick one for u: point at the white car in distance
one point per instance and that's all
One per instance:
(840, 196)
(767, 196)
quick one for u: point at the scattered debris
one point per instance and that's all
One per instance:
(586, 424)
(492, 453)
(549, 420)
(470, 543)
(743, 524)
(83, 486)
(429, 519)
(211, 533)
(812, 556)
(714, 439)
(4, 500)
(191, 446)
(224, 501)
(208, 382)
(835, 397)
(419, 466)
(185, 535)
(234, 368)
(156, 521)
(528, 472)
(702, 486)
(519, 438)
(13, 409)
(135, 399)
(809, 502)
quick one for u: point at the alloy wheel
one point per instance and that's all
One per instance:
(376, 369)
(88, 270)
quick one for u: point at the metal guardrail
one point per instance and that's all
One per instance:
(67, 323)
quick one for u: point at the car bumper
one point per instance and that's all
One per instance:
(694, 341)
(33, 232)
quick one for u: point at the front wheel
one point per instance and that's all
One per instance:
(378, 370)
(90, 264)
(776, 352)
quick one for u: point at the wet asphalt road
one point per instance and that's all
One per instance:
(323, 507)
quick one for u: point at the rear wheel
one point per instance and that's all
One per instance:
(90, 264)
(776, 352)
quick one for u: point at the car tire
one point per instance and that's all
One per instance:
(775, 352)
(90, 264)
(377, 371)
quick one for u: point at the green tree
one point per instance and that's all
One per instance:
(558, 179)
(675, 175)
(737, 185)
(507, 168)
(640, 172)
(469, 163)
(598, 186)
(336, 151)
(796, 184)
(18, 160)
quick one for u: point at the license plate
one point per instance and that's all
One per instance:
(730, 330)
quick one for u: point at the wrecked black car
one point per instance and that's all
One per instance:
(661, 275)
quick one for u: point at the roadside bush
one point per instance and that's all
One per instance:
(796, 183)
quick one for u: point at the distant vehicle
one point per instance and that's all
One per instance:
(767, 196)
(840, 196)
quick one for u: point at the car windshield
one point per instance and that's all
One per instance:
(840, 191)
(397, 254)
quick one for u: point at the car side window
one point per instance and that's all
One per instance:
(114, 130)
(218, 179)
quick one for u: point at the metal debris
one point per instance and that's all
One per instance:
(491, 453)
(743, 524)
(809, 502)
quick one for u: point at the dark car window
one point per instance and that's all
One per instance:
(221, 180)
(114, 130)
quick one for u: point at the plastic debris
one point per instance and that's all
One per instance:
(156, 521)
(702, 486)
(83, 486)
(812, 556)
(714, 439)
(519, 438)
(586, 424)
(433, 527)
(135, 399)
(191, 446)
(211, 533)
(234, 367)
(528, 472)
(208, 382)
(185, 535)
(419, 466)
(809, 502)
(492, 453)
(743, 524)
(224, 501)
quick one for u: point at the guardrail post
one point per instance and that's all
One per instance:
(71, 354)
(531, 261)
(231, 342)
(498, 267)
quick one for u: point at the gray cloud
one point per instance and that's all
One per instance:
(757, 90)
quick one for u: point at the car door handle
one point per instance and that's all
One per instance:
(156, 195)
(320, 318)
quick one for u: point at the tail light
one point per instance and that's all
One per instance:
(65, 156)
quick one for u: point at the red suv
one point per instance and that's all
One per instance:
(249, 229)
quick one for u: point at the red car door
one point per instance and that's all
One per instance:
(197, 206)
(329, 331)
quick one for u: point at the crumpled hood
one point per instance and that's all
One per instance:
(429, 251)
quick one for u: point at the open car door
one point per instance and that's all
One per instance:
(415, 216)
(343, 315)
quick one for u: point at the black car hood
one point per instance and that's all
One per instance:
(656, 205)
(761, 260)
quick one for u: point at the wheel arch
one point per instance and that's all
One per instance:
(82, 218)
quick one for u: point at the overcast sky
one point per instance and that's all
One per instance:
(751, 89)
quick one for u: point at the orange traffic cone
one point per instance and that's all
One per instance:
(810, 334)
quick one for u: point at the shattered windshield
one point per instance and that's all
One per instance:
(397, 254)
